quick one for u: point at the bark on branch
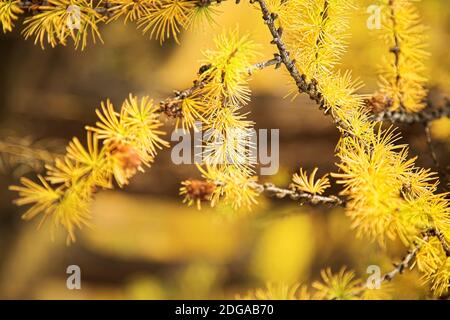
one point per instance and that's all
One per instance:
(303, 197)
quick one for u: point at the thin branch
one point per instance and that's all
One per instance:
(303, 85)
(304, 197)
(171, 107)
(311, 87)
(396, 48)
(427, 115)
(408, 259)
(433, 232)
(276, 61)
(402, 265)
(201, 190)
(26, 150)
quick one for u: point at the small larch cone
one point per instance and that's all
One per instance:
(196, 191)
(127, 162)
(379, 102)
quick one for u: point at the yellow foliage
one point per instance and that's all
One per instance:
(386, 195)
(128, 140)
(9, 11)
(303, 183)
(433, 261)
(60, 20)
(277, 291)
(341, 286)
(402, 70)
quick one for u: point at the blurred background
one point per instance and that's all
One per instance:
(145, 244)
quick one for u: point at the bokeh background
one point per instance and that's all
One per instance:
(145, 243)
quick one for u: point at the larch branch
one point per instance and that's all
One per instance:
(429, 114)
(304, 197)
(303, 85)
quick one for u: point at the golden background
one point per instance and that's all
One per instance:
(145, 244)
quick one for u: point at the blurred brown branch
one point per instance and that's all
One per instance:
(427, 115)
